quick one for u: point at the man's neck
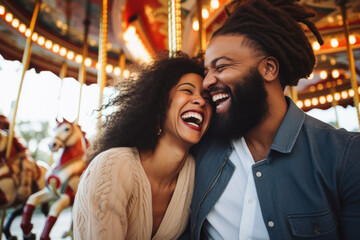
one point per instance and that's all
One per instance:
(260, 138)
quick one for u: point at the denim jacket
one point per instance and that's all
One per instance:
(308, 186)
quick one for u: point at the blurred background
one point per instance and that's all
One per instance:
(81, 48)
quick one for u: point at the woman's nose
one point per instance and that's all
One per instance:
(199, 100)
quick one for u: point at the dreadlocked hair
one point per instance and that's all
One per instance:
(141, 104)
(271, 27)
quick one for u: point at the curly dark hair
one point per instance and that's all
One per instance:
(271, 27)
(141, 104)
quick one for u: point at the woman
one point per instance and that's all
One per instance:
(140, 183)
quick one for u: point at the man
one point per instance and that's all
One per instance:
(267, 170)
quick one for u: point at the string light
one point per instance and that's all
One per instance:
(70, 55)
(117, 71)
(78, 59)
(322, 100)
(344, 94)
(215, 4)
(63, 51)
(329, 98)
(299, 104)
(34, 36)
(196, 25)
(316, 46)
(352, 39)
(314, 101)
(323, 74)
(15, 22)
(8, 17)
(88, 62)
(126, 73)
(109, 68)
(205, 13)
(337, 96)
(334, 43)
(333, 61)
(2, 10)
(22, 28)
(307, 103)
(335, 73)
(56, 48)
(339, 81)
(351, 93)
(41, 41)
(48, 44)
(27, 32)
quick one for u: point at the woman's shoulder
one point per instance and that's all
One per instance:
(113, 170)
(116, 157)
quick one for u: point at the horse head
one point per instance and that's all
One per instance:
(67, 134)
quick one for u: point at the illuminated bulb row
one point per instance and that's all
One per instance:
(334, 43)
(214, 4)
(320, 86)
(334, 73)
(54, 47)
(135, 45)
(326, 99)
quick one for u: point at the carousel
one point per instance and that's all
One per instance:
(98, 43)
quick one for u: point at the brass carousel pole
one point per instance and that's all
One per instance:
(174, 27)
(25, 63)
(102, 59)
(334, 102)
(122, 63)
(202, 35)
(350, 56)
(82, 70)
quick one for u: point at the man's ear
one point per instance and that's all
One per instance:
(269, 69)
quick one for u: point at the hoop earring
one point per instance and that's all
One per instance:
(159, 130)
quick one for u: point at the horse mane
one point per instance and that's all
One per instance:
(18, 145)
(4, 122)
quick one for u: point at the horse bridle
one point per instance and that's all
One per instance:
(71, 130)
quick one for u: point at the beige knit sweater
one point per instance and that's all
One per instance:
(114, 199)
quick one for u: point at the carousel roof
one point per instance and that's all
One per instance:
(139, 30)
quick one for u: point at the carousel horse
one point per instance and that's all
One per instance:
(62, 179)
(20, 176)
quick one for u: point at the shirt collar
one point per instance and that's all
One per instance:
(289, 129)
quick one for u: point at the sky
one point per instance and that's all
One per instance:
(44, 96)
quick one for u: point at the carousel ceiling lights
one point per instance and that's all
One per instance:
(135, 45)
(205, 13)
(50, 45)
(215, 4)
(329, 98)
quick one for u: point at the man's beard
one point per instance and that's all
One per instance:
(247, 109)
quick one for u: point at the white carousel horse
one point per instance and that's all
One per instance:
(20, 176)
(62, 178)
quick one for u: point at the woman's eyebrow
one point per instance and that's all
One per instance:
(190, 84)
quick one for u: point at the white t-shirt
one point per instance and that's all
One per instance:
(237, 213)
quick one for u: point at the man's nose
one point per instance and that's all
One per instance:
(209, 81)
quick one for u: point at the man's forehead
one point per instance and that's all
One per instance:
(224, 47)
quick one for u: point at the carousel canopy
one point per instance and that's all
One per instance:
(138, 30)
